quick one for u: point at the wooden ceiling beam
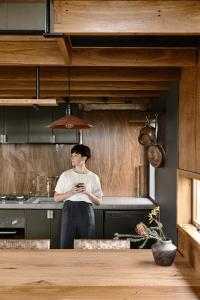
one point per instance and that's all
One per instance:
(25, 38)
(120, 17)
(65, 49)
(43, 53)
(57, 74)
(28, 102)
(30, 53)
(134, 57)
(115, 106)
(109, 100)
(84, 86)
(57, 94)
(124, 74)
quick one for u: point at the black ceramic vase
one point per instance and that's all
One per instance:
(164, 252)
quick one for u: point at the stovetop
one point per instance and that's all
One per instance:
(13, 198)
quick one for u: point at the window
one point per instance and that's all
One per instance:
(151, 182)
(196, 202)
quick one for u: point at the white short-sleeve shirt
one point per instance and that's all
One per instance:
(70, 178)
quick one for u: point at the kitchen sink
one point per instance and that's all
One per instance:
(40, 200)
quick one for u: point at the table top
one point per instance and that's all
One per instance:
(60, 272)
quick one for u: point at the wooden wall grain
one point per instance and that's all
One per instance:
(117, 158)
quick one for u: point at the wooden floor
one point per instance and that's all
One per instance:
(93, 274)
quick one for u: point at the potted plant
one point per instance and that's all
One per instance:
(163, 249)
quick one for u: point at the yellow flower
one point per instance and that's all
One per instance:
(154, 213)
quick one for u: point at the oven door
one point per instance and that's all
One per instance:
(12, 233)
(12, 227)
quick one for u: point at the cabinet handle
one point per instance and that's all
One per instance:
(14, 222)
(4, 138)
(8, 232)
(49, 214)
(53, 138)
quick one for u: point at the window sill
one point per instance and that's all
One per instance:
(191, 232)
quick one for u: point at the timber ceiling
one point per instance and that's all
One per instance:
(98, 75)
(117, 52)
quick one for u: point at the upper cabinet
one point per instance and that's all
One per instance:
(38, 121)
(29, 125)
(15, 125)
(24, 15)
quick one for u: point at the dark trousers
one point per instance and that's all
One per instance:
(77, 222)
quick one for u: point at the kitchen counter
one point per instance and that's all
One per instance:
(111, 203)
(94, 274)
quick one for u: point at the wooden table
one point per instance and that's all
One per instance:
(93, 274)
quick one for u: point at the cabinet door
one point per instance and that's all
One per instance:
(99, 223)
(38, 130)
(55, 229)
(3, 16)
(123, 222)
(37, 224)
(16, 125)
(64, 136)
(12, 213)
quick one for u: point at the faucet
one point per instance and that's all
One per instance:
(51, 182)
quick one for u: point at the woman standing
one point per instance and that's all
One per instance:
(78, 188)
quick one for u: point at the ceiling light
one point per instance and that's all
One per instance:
(69, 121)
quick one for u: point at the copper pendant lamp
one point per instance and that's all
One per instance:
(69, 121)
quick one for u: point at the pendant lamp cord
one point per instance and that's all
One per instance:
(68, 111)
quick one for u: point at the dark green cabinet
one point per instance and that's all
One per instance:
(55, 225)
(124, 221)
(44, 224)
(29, 125)
(15, 125)
(12, 213)
(99, 223)
(38, 121)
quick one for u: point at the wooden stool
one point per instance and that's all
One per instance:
(24, 244)
(101, 244)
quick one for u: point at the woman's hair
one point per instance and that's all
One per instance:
(82, 150)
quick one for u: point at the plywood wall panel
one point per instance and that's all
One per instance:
(116, 158)
(187, 119)
(117, 152)
(25, 167)
(198, 121)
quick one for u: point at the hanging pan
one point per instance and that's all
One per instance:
(156, 155)
(155, 152)
(147, 134)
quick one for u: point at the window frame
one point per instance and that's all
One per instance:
(194, 202)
